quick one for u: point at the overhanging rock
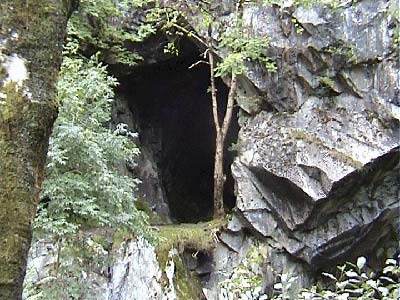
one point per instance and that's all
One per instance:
(318, 174)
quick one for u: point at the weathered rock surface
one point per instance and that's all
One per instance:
(318, 171)
(151, 190)
(136, 273)
(317, 175)
(133, 273)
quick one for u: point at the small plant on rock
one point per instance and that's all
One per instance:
(354, 283)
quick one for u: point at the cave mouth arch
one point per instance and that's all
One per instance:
(172, 109)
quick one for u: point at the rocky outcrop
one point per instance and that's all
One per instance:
(129, 280)
(318, 171)
(151, 191)
(133, 272)
(318, 168)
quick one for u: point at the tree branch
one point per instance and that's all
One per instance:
(229, 106)
(213, 87)
(198, 63)
(190, 34)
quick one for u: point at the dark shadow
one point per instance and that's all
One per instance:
(174, 114)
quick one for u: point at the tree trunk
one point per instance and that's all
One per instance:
(31, 37)
(222, 131)
(219, 177)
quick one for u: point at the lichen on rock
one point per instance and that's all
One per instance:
(317, 173)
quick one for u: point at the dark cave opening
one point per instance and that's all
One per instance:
(174, 114)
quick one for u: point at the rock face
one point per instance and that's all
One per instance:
(318, 171)
(137, 260)
(133, 273)
(151, 191)
(318, 167)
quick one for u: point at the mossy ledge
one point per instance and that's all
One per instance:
(200, 237)
(180, 238)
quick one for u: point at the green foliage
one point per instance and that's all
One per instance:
(242, 47)
(96, 25)
(201, 236)
(342, 50)
(82, 179)
(235, 40)
(327, 81)
(171, 48)
(297, 26)
(83, 188)
(246, 279)
(353, 283)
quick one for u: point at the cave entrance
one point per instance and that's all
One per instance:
(173, 110)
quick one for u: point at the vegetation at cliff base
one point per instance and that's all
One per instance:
(83, 185)
(349, 282)
(84, 188)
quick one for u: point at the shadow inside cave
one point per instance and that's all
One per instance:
(173, 112)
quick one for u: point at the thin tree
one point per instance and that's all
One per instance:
(242, 46)
(221, 130)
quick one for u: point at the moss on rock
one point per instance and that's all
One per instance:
(195, 237)
(33, 31)
(199, 237)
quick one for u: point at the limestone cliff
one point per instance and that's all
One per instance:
(316, 175)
